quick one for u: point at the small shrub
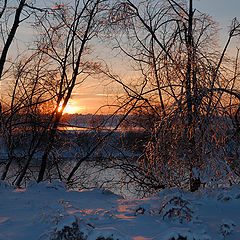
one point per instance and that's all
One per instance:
(69, 233)
(177, 209)
(227, 228)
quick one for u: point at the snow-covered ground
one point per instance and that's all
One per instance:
(43, 211)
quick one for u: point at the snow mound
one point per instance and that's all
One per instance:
(52, 212)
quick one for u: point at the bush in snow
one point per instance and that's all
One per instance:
(69, 233)
(180, 237)
(187, 234)
(177, 209)
(108, 238)
(226, 228)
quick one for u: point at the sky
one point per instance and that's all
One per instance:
(90, 97)
(222, 11)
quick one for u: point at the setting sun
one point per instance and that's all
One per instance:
(71, 108)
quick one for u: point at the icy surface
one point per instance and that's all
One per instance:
(42, 210)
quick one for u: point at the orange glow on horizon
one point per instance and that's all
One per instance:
(71, 108)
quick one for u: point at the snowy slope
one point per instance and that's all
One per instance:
(43, 210)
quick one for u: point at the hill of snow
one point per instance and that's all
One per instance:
(50, 211)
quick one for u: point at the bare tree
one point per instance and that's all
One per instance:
(24, 124)
(173, 47)
(7, 37)
(11, 34)
(65, 43)
(52, 68)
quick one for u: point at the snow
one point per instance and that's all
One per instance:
(43, 211)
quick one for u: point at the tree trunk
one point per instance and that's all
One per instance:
(11, 36)
(190, 83)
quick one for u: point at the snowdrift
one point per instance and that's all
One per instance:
(50, 211)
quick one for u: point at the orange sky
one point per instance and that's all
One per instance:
(91, 95)
(89, 99)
